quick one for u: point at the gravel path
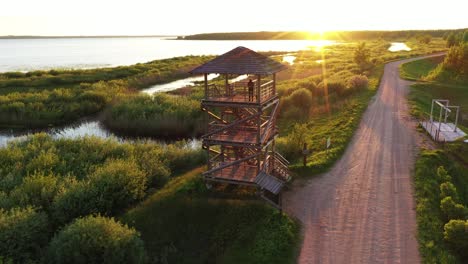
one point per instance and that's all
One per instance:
(363, 210)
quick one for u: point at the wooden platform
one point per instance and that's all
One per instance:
(446, 132)
(234, 136)
(243, 173)
(238, 99)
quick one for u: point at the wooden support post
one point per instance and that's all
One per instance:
(273, 153)
(274, 84)
(259, 158)
(206, 85)
(432, 110)
(222, 153)
(258, 88)
(226, 82)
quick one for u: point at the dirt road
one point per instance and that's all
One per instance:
(363, 210)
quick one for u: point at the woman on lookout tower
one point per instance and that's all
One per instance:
(250, 85)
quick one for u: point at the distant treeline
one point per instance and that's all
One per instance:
(332, 35)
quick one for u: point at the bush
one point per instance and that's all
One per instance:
(333, 87)
(448, 189)
(96, 239)
(37, 190)
(456, 235)
(451, 209)
(110, 189)
(23, 234)
(443, 175)
(79, 199)
(291, 146)
(300, 98)
(358, 82)
(118, 183)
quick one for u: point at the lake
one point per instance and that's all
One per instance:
(81, 53)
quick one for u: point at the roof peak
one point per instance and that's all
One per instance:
(241, 60)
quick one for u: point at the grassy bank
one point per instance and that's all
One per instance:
(431, 215)
(417, 70)
(183, 223)
(139, 75)
(46, 98)
(422, 93)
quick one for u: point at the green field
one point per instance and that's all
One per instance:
(422, 93)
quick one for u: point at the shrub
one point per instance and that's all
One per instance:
(79, 199)
(37, 190)
(111, 188)
(456, 235)
(118, 184)
(443, 175)
(291, 146)
(451, 209)
(358, 82)
(96, 239)
(448, 189)
(333, 87)
(23, 233)
(301, 98)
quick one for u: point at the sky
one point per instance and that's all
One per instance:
(177, 17)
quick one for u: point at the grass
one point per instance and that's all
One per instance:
(184, 223)
(418, 69)
(421, 94)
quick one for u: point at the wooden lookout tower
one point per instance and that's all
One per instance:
(241, 132)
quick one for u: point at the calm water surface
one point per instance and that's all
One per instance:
(34, 54)
(79, 130)
(398, 46)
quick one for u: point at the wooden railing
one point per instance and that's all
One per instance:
(239, 91)
(266, 91)
(277, 166)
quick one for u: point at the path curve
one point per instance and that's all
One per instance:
(363, 210)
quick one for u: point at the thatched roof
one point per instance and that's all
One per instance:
(240, 60)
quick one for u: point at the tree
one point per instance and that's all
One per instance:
(424, 38)
(362, 56)
(451, 39)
